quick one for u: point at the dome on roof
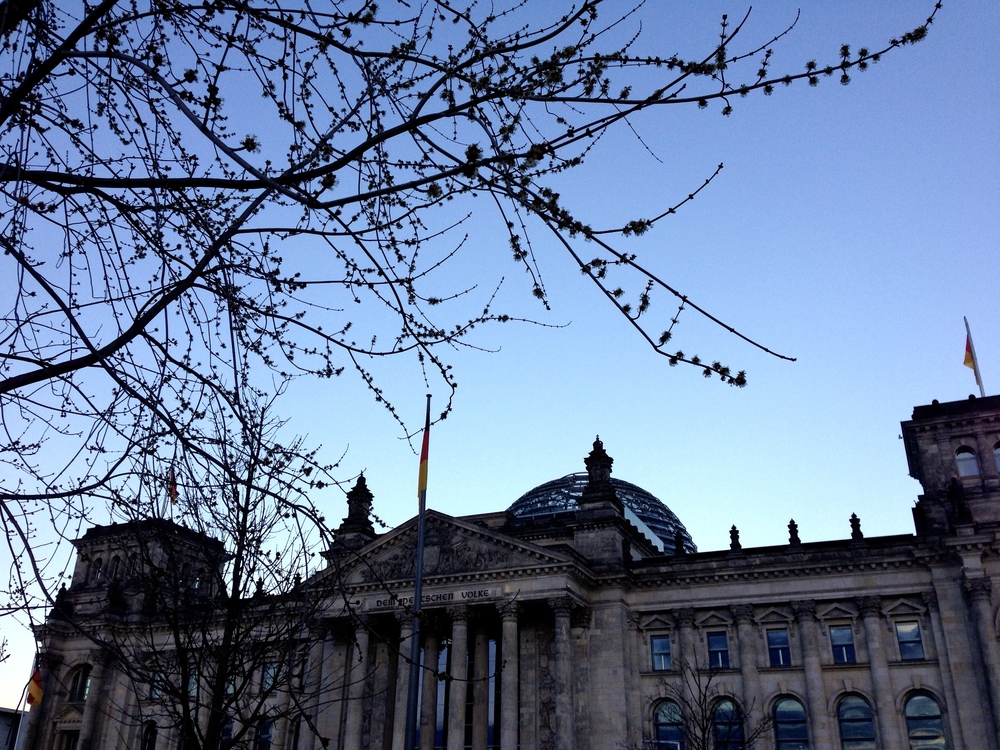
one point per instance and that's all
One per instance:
(562, 494)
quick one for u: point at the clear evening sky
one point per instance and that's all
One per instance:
(851, 228)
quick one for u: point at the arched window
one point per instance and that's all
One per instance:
(668, 730)
(116, 565)
(295, 733)
(264, 731)
(924, 726)
(79, 685)
(968, 464)
(148, 739)
(857, 729)
(790, 732)
(996, 456)
(727, 726)
(97, 571)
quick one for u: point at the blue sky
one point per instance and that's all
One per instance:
(852, 228)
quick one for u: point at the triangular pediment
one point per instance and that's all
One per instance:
(902, 608)
(837, 612)
(656, 622)
(713, 620)
(452, 547)
(774, 616)
(69, 715)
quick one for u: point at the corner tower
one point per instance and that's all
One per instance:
(953, 450)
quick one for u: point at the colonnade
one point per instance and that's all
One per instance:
(466, 712)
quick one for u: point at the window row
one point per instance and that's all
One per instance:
(967, 462)
(162, 685)
(261, 737)
(779, 650)
(673, 730)
(101, 572)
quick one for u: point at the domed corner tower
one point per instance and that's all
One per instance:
(599, 508)
(953, 450)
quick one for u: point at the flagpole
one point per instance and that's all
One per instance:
(418, 585)
(975, 360)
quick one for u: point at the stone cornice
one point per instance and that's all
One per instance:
(754, 565)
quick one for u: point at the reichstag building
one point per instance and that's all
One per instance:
(583, 617)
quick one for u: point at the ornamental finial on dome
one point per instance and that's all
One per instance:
(598, 464)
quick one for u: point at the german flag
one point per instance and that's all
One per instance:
(172, 485)
(424, 450)
(35, 689)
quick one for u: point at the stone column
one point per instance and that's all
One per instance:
(632, 680)
(819, 724)
(429, 689)
(509, 706)
(356, 673)
(92, 705)
(402, 680)
(481, 689)
(458, 673)
(752, 698)
(978, 591)
(871, 613)
(685, 661)
(944, 658)
(332, 698)
(685, 636)
(565, 738)
(314, 687)
(380, 695)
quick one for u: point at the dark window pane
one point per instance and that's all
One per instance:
(790, 725)
(842, 641)
(968, 464)
(778, 648)
(924, 726)
(667, 727)
(718, 650)
(910, 644)
(149, 733)
(857, 730)
(727, 726)
(661, 652)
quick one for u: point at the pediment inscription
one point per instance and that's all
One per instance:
(447, 551)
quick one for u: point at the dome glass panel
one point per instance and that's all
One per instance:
(561, 495)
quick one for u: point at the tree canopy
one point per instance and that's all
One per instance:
(202, 201)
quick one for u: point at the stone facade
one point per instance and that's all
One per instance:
(575, 630)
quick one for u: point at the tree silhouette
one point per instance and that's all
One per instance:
(700, 713)
(202, 201)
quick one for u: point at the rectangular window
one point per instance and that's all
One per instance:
(911, 647)
(303, 668)
(268, 676)
(842, 641)
(718, 650)
(778, 648)
(69, 740)
(157, 682)
(660, 645)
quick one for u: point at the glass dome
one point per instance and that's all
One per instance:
(562, 494)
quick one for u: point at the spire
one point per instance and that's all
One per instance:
(357, 528)
(598, 464)
(599, 488)
(359, 507)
